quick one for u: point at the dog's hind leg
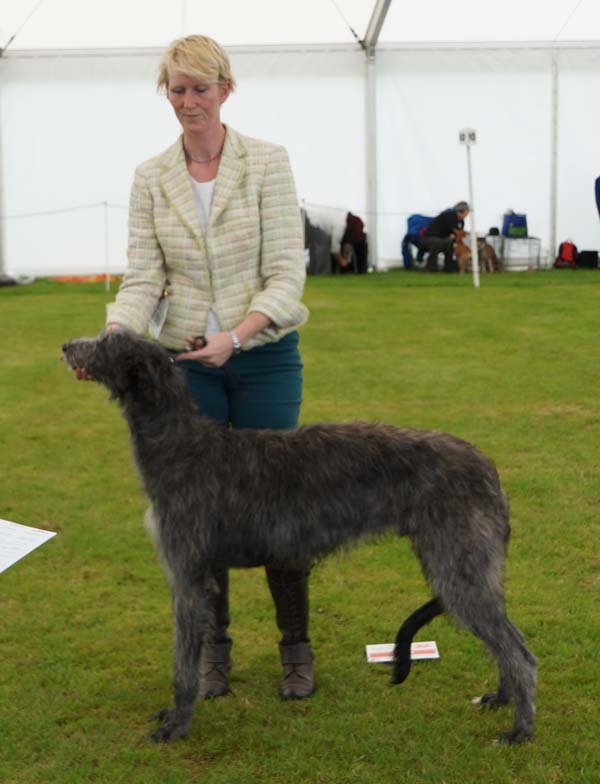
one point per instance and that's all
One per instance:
(518, 675)
(404, 638)
(503, 694)
(191, 609)
(483, 613)
(462, 557)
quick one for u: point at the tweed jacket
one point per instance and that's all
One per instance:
(251, 260)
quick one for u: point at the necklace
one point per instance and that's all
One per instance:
(200, 160)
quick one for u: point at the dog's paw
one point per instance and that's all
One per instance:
(491, 701)
(514, 736)
(171, 727)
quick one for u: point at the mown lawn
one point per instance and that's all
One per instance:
(85, 627)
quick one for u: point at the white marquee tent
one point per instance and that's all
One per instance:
(373, 129)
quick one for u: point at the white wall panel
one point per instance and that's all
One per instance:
(314, 105)
(75, 128)
(579, 148)
(425, 98)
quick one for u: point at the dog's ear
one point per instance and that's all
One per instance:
(153, 376)
(146, 369)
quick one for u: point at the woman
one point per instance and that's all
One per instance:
(214, 225)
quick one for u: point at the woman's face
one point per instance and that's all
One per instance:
(197, 105)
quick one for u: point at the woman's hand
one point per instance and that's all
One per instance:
(81, 374)
(213, 351)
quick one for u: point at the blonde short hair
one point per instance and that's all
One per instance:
(198, 56)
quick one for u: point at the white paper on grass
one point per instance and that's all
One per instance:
(384, 652)
(17, 541)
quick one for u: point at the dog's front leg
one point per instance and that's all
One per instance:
(190, 609)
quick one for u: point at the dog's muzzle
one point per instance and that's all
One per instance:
(76, 353)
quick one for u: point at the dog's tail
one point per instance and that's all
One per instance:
(405, 636)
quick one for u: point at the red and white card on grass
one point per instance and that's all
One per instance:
(384, 652)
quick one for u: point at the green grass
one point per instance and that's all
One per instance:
(85, 627)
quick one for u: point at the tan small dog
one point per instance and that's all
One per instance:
(488, 260)
(461, 250)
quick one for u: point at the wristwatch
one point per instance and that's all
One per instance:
(237, 346)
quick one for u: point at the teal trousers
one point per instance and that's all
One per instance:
(259, 388)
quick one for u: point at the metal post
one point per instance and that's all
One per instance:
(474, 248)
(369, 45)
(106, 252)
(2, 224)
(553, 160)
(468, 136)
(371, 159)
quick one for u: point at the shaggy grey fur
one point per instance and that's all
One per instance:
(237, 498)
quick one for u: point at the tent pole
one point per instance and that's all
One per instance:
(474, 247)
(106, 250)
(2, 257)
(369, 44)
(371, 158)
(376, 23)
(553, 158)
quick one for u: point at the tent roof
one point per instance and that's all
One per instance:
(506, 21)
(94, 24)
(110, 24)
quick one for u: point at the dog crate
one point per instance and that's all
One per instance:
(517, 253)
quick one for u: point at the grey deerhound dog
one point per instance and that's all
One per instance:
(239, 498)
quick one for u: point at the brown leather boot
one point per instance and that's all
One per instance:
(289, 589)
(215, 661)
(297, 663)
(215, 664)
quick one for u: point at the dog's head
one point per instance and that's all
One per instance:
(124, 362)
